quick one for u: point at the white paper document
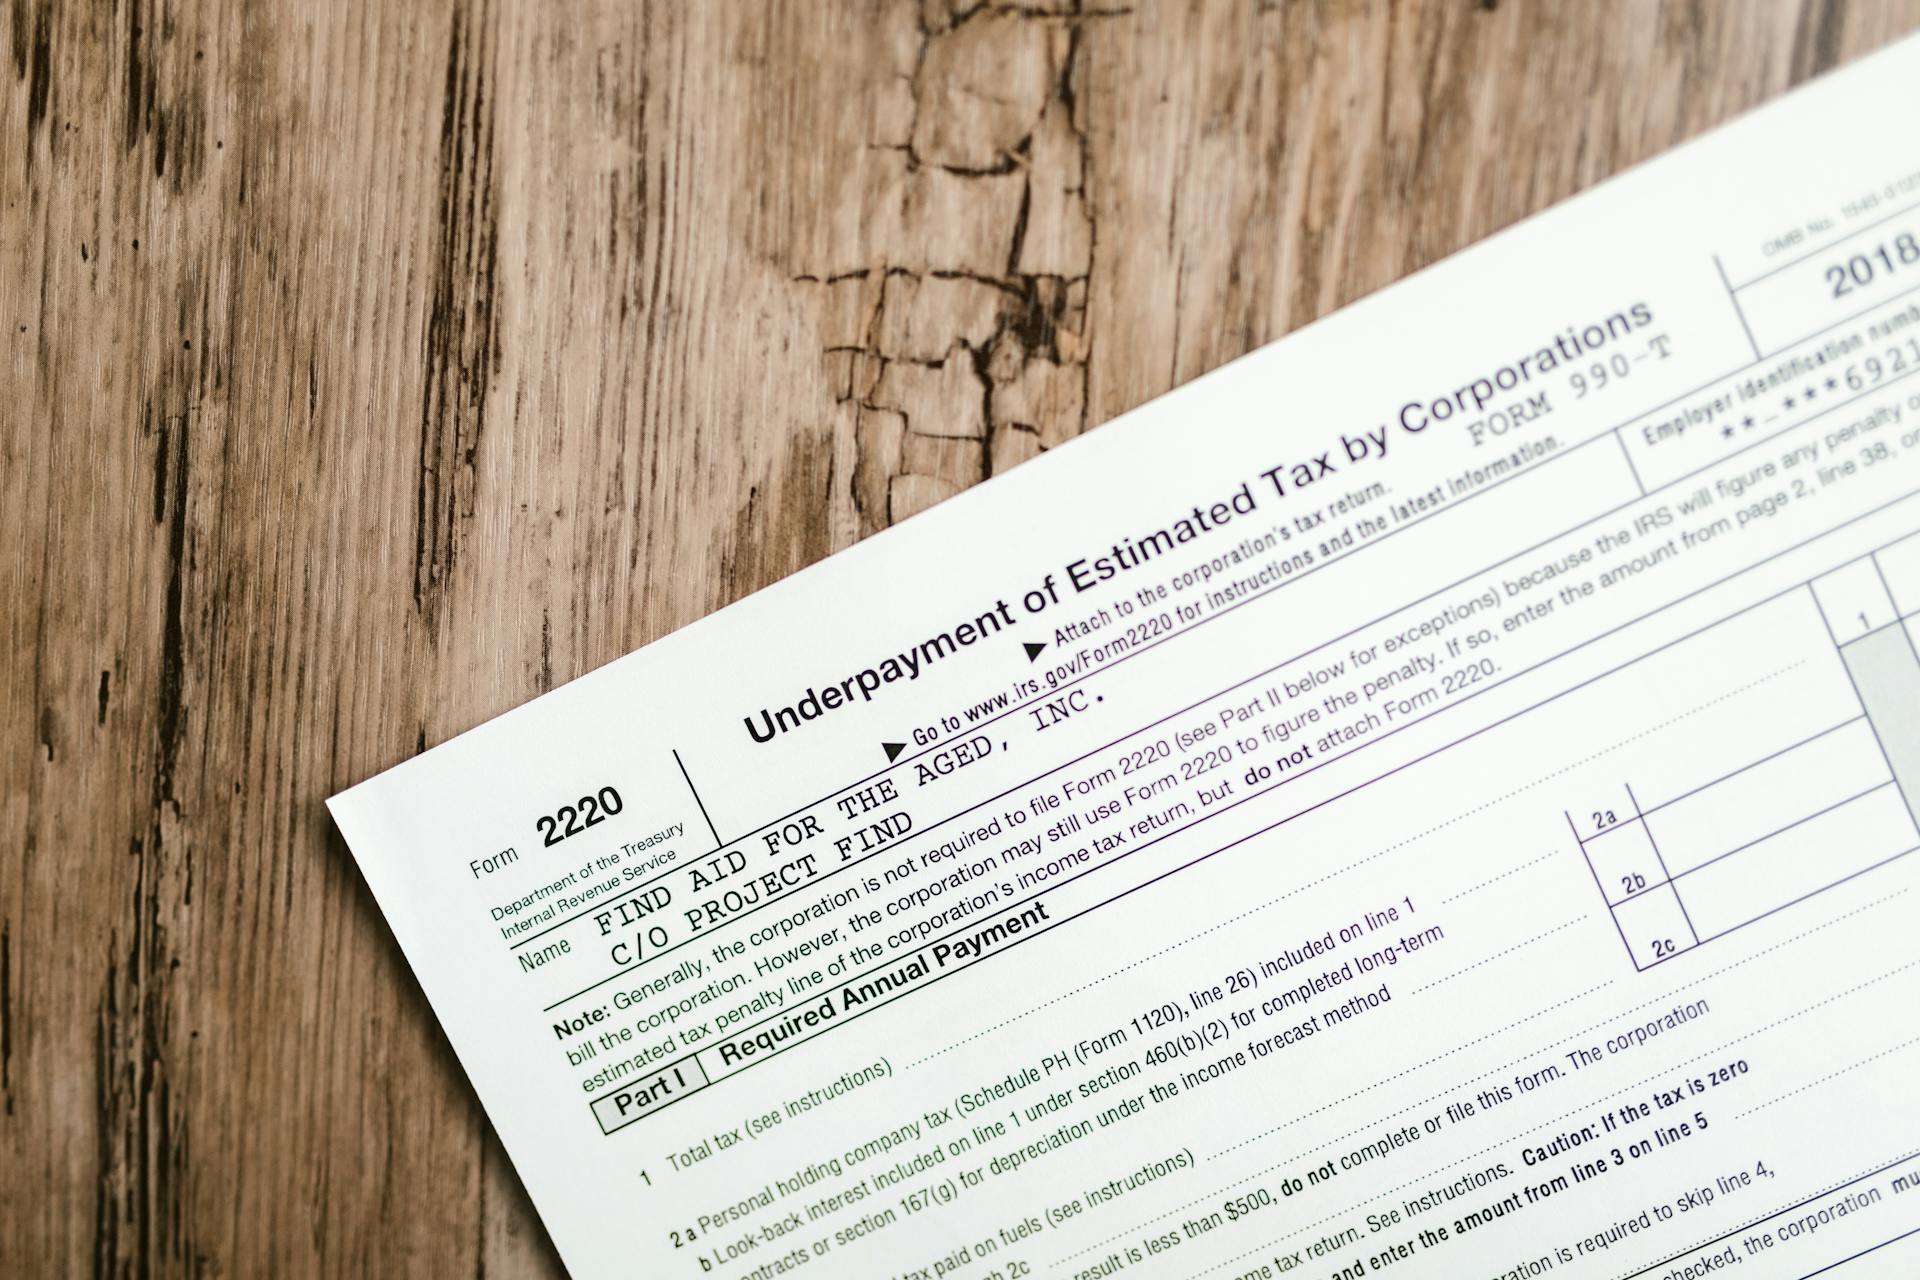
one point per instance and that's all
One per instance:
(1435, 797)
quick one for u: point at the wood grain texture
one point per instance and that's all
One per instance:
(371, 369)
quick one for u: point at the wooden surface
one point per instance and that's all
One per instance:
(369, 370)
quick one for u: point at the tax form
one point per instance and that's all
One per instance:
(1434, 797)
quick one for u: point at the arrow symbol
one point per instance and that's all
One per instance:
(1033, 649)
(893, 750)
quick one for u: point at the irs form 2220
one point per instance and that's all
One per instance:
(1435, 797)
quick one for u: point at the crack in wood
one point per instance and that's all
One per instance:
(368, 379)
(463, 328)
(938, 378)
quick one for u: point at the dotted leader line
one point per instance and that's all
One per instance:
(1418, 1066)
(1354, 866)
(1662, 998)
(1714, 1052)
(1613, 1017)
(1270, 1168)
(1496, 879)
(1835, 1075)
(1496, 955)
